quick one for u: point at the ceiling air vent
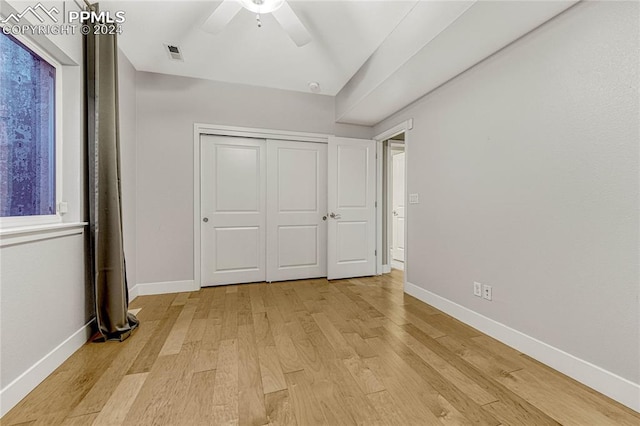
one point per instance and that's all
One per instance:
(174, 52)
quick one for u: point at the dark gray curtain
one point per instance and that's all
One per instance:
(103, 188)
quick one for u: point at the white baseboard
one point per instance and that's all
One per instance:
(397, 265)
(386, 269)
(618, 388)
(133, 293)
(27, 381)
(147, 289)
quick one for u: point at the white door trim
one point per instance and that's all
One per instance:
(402, 127)
(395, 130)
(220, 130)
(250, 132)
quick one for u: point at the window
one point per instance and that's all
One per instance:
(28, 136)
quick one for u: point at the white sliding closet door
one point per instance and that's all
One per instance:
(233, 210)
(296, 210)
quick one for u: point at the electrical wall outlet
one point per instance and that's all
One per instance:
(477, 289)
(486, 291)
(414, 199)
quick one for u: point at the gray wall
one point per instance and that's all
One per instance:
(168, 107)
(527, 170)
(45, 299)
(128, 159)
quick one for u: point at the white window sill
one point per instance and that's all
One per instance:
(28, 234)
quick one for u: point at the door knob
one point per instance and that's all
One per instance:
(205, 220)
(395, 213)
(334, 216)
(324, 217)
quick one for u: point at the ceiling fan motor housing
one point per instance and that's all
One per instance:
(262, 6)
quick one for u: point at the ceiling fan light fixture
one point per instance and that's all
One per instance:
(262, 6)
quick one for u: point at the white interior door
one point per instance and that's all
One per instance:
(397, 212)
(296, 205)
(233, 194)
(351, 196)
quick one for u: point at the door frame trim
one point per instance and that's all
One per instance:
(200, 129)
(402, 127)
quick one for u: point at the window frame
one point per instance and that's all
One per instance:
(36, 220)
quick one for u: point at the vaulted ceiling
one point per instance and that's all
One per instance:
(344, 34)
(374, 56)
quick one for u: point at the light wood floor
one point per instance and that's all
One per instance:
(311, 352)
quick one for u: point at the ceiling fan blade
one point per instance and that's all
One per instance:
(292, 25)
(221, 16)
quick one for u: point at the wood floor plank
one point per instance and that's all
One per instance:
(453, 375)
(257, 301)
(363, 376)
(198, 409)
(175, 339)
(230, 315)
(564, 405)
(262, 329)
(162, 396)
(196, 330)
(147, 357)
(205, 295)
(597, 401)
(245, 316)
(278, 407)
(336, 339)
(153, 308)
(406, 393)
(207, 355)
(76, 377)
(387, 409)
(493, 365)
(180, 299)
(251, 393)
(287, 353)
(270, 370)
(360, 346)
(100, 393)
(217, 308)
(451, 399)
(346, 352)
(117, 407)
(86, 419)
(514, 406)
(306, 407)
(225, 392)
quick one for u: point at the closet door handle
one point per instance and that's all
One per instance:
(335, 216)
(205, 220)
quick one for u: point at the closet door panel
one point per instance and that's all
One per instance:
(296, 210)
(233, 210)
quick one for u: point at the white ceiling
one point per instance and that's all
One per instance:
(375, 56)
(344, 35)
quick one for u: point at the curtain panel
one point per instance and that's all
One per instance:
(106, 254)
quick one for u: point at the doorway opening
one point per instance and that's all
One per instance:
(393, 203)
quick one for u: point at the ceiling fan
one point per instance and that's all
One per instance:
(280, 10)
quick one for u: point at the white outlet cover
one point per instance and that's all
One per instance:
(486, 292)
(477, 289)
(414, 199)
